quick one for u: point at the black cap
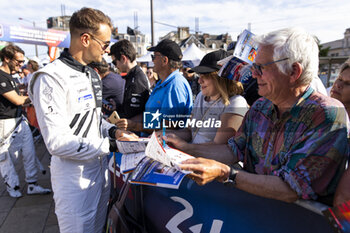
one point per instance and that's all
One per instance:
(169, 49)
(209, 62)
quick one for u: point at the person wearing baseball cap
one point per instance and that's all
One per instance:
(219, 99)
(191, 77)
(172, 95)
(169, 49)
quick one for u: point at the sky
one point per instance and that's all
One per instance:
(323, 18)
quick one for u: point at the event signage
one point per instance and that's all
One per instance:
(216, 208)
(38, 36)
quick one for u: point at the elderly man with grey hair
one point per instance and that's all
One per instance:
(293, 140)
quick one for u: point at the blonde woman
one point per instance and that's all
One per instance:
(152, 77)
(219, 104)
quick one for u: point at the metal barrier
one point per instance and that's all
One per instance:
(217, 208)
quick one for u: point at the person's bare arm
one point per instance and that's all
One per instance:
(123, 135)
(342, 193)
(230, 123)
(265, 186)
(207, 170)
(219, 152)
(185, 134)
(16, 99)
(137, 118)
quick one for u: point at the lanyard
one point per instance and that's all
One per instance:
(204, 115)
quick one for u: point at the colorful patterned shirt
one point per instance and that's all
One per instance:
(306, 147)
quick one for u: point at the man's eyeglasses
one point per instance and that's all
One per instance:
(19, 61)
(155, 55)
(104, 44)
(258, 68)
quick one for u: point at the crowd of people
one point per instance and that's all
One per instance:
(282, 139)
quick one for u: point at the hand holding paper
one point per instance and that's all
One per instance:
(166, 155)
(123, 135)
(175, 141)
(205, 170)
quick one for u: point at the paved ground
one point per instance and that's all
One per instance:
(30, 213)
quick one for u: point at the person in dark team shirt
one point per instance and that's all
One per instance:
(137, 88)
(15, 134)
(112, 84)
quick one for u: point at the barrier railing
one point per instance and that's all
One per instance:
(217, 208)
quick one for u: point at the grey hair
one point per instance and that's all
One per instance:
(175, 64)
(298, 46)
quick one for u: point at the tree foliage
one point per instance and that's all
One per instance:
(323, 52)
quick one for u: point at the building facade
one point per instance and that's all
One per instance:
(139, 40)
(339, 47)
(58, 23)
(205, 41)
(338, 53)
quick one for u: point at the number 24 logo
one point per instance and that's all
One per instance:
(178, 218)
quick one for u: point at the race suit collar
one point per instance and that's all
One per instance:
(67, 59)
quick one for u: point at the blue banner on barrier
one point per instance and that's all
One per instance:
(38, 36)
(215, 208)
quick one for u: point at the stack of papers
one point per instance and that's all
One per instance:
(246, 48)
(126, 147)
(238, 66)
(153, 164)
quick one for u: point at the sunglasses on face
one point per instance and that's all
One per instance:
(155, 55)
(103, 44)
(19, 62)
(258, 68)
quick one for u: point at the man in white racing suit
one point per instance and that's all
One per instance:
(67, 98)
(15, 134)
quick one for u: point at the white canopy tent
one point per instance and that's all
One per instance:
(146, 58)
(193, 54)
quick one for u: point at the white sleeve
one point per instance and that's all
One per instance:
(105, 128)
(238, 105)
(318, 86)
(51, 107)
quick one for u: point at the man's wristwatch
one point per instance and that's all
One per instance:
(231, 180)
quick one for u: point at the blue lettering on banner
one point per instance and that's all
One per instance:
(84, 98)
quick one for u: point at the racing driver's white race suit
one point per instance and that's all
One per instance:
(67, 99)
